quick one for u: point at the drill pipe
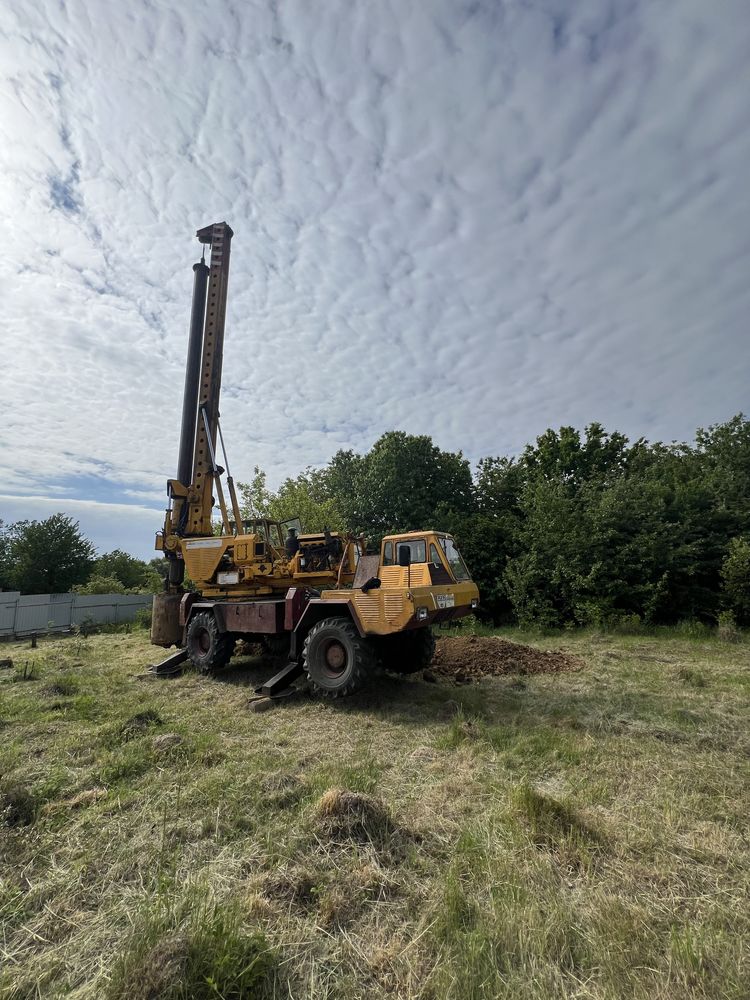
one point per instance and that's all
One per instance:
(192, 375)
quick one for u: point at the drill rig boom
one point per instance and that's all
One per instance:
(241, 562)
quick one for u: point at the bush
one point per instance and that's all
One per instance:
(692, 629)
(735, 572)
(98, 584)
(143, 617)
(727, 630)
(86, 627)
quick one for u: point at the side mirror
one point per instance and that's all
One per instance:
(404, 555)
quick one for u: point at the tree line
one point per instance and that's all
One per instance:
(52, 556)
(583, 528)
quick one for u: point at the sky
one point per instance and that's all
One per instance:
(469, 220)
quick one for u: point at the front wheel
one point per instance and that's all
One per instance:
(336, 658)
(408, 652)
(208, 648)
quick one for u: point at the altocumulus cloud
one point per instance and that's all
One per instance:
(468, 220)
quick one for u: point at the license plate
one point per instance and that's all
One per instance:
(445, 600)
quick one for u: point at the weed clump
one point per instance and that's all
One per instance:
(65, 687)
(342, 815)
(296, 887)
(139, 724)
(165, 742)
(194, 950)
(28, 672)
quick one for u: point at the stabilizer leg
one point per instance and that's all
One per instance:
(281, 680)
(170, 666)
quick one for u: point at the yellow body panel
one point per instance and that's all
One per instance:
(393, 606)
(202, 556)
(247, 566)
(416, 575)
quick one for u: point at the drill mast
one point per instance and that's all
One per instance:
(200, 500)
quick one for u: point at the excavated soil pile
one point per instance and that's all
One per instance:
(467, 658)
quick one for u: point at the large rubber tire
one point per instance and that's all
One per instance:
(337, 659)
(208, 648)
(408, 652)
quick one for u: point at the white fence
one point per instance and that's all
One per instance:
(20, 616)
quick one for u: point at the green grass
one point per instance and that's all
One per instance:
(569, 835)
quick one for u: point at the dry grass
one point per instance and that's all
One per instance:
(569, 835)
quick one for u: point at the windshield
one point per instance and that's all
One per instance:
(456, 563)
(269, 531)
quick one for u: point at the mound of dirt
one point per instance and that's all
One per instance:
(467, 658)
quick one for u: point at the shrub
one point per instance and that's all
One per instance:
(727, 630)
(735, 572)
(143, 617)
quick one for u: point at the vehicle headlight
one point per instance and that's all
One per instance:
(421, 614)
(475, 602)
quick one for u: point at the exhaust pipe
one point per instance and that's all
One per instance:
(192, 375)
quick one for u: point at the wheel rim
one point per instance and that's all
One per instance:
(203, 640)
(334, 658)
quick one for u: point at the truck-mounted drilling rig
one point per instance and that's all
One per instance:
(319, 598)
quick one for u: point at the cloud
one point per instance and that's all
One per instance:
(109, 526)
(472, 221)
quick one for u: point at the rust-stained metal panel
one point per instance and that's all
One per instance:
(264, 617)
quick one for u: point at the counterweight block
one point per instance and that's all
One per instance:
(165, 620)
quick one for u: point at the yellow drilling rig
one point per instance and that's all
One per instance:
(320, 599)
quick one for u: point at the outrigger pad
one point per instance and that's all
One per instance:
(276, 684)
(171, 666)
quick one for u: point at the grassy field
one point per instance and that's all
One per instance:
(582, 834)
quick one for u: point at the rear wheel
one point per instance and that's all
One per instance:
(336, 658)
(208, 648)
(408, 652)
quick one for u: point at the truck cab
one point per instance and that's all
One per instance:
(418, 579)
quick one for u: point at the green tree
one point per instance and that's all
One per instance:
(50, 556)
(308, 498)
(590, 533)
(406, 482)
(403, 482)
(255, 496)
(581, 528)
(488, 535)
(5, 566)
(160, 566)
(132, 573)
